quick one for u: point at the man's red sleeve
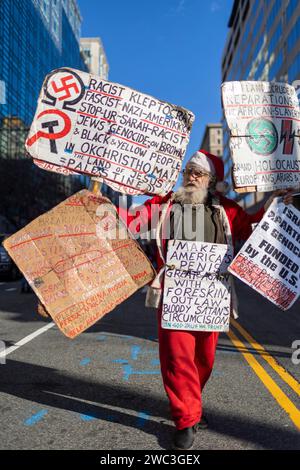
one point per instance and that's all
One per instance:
(241, 221)
(140, 220)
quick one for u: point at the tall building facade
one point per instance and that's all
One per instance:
(95, 57)
(263, 43)
(212, 140)
(36, 36)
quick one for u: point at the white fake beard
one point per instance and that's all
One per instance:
(190, 195)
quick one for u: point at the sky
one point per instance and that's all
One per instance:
(170, 49)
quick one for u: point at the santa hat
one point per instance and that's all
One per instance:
(212, 165)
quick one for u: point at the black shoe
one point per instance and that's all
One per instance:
(184, 438)
(203, 423)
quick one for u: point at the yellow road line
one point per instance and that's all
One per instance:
(288, 378)
(281, 398)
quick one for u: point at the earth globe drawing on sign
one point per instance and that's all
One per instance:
(261, 136)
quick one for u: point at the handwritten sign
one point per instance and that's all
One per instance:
(80, 261)
(197, 288)
(270, 259)
(88, 125)
(264, 124)
(54, 168)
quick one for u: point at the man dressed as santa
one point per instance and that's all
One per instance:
(187, 356)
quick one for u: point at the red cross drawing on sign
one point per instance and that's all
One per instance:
(65, 87)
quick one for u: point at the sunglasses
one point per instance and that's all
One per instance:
(195, 173)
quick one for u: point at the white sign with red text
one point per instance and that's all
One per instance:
(264, 125)
(135, 142)
(269, 261)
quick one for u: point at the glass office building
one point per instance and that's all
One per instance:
(36, 36)
(262, 44)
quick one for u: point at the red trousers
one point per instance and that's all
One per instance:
(186, 361)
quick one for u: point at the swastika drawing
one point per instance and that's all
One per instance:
(66, 87)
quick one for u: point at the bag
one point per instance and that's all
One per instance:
(153, 297)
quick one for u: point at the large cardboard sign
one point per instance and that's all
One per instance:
(197, 287)
(270, 259)
(88, 125)
(264, 124)
(80, 261)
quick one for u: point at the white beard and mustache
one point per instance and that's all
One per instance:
(190, 195)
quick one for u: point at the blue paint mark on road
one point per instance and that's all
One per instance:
(146, 372)
(85, 361)
(135, 350)
(120, 361)
(35, 418)
(128, 371)
(155, 362)
(97, 415)
(150, 351)
(142, 418)
(87, 417)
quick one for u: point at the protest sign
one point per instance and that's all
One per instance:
(197, 286)
(264, 125)
(270, 259)
(88, 125)
(80, 261)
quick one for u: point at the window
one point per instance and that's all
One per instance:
(45, 7)
(294, 69)
(87, 52)
(55, 26)
(257, 25)
(291, 9)
(294, 35)
(246, 11)
(274, 13)
(2, 92)
(276, 66)
(275, 38)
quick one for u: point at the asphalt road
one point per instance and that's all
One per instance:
(103, 390)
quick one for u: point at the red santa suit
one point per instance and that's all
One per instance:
(187, 357)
